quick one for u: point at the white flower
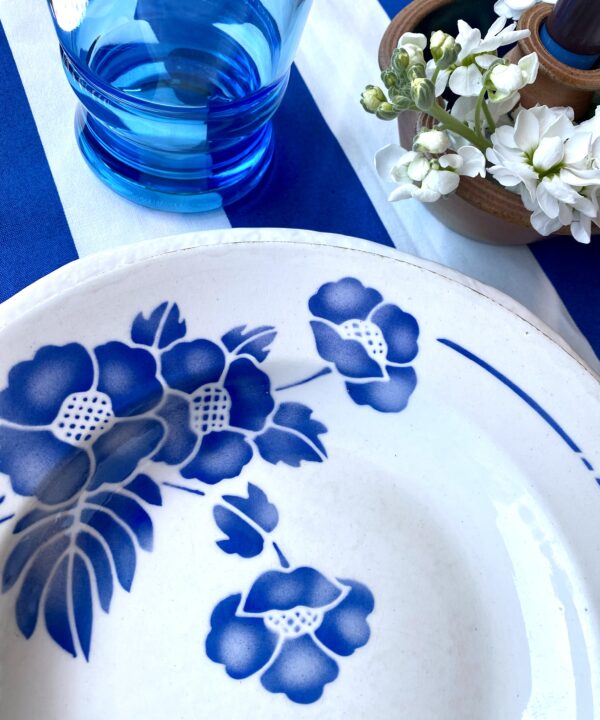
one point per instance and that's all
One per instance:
(497, 36)
(414, 44)
(441, 81)
(477, 54)
(508, 79)
(466, 81)
(423, 179)
(432, 141)
(531, 157)
(513, 9)
(582, 154)
(464, 110)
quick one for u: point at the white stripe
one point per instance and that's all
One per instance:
(98, 218)
(337, 58)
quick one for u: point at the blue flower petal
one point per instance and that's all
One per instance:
(300, 671)
(128, 376)
(386, 395)
(243, 645)
(119, 451)
(36, 388)
(344, 627)
(278, 590)
(349, 356)
(400, 331)
(221, 455)
(189, 365)
(250, 391)
(39, 464)
(346, 299)
(180, 440)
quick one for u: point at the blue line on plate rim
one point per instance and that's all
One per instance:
(524, 396)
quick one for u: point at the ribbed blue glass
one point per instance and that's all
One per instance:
(177, 95)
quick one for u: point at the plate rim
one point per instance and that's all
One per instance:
(79, 272)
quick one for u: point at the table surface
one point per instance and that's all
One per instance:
(53, 210)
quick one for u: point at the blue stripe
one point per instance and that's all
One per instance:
(573, 270)
(310, 183)
(34, 235)
(393, 7)
(515, 388)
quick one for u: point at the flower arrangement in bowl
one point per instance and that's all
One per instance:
(473, 130)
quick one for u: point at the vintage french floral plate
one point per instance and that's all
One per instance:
(262, 474)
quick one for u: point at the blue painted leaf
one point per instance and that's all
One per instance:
(256, 506)
(119, 542)
(174, 328)
(35, 516)
(28, 546)
(145, 330)
(35, 580)
(242, 539)
(130, 512)
(96, 554)
(81, 589)
(294, 437)
(253, 342)
(146, 489)
(56, 608)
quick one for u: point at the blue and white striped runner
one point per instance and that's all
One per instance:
(53, 210)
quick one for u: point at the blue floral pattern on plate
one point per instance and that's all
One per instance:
(82, 429)
(369, 341)
(291, 628)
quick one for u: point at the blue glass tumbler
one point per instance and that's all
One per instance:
(176, 96)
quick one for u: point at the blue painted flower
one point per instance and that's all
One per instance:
(292, 627)
(69, 419)
(217, 404)
(368, 341)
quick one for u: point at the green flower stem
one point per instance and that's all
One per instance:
(480, 102)
(489, 118)
(456, 126)
(434, 77)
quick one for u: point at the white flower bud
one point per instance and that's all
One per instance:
(413, 44)
(371, 98)
(507, 79)
(423, 93)
(435, 142)
(437, 40)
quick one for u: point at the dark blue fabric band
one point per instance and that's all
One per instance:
(310, 183)
(34, 236)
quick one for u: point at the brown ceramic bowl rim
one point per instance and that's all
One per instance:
(532, 20)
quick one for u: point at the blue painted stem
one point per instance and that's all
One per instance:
(321, 373)
(283, 561)
(184, 488)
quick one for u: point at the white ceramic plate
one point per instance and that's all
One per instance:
(250, 475)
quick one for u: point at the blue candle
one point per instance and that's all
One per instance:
(572, 33)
